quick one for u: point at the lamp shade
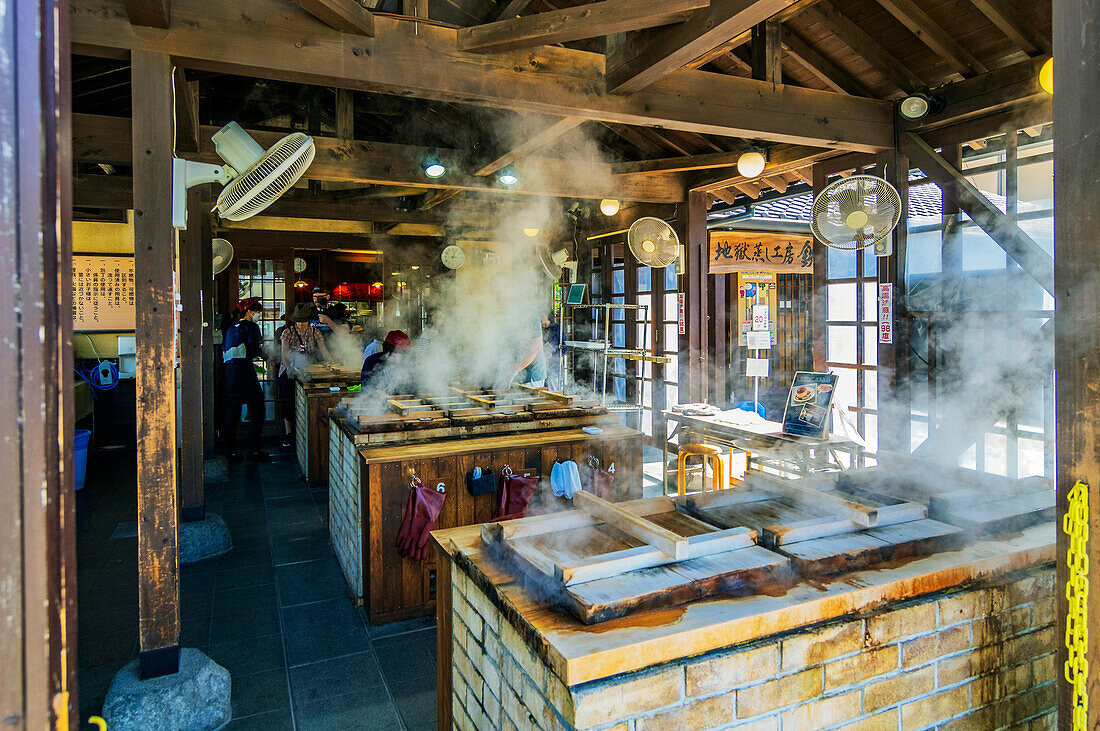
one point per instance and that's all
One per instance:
(609, 206)
(751, 164)
(1046, 76)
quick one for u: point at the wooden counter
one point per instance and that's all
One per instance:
(312, 401)
(368, 487)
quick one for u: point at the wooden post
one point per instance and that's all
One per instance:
(209, 374)
(154, 254)
(719, 365)
(693, 372)
(1077, 339)
(893, 358)
(37, 537)
(192, 493)
(766, 49)
(630, 325)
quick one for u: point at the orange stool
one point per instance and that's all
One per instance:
(705, 451)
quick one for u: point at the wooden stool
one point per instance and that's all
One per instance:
(704, 451)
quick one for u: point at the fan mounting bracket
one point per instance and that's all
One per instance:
(187, 174)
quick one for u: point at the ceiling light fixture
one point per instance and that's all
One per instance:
(609, 206)
(433, 167)
(919, 105)
(1046, 76)
(531, 232)
(508, 176)
(752, 162)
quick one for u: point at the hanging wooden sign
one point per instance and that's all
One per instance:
(744, 251)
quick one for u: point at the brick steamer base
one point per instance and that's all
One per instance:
(978, 658)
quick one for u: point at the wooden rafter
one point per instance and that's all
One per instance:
(1003, 88)
(422, 61)
(682, 163)
(780, 160)
(1009, 21)
(932, 35)
(635, 138)
(778, 182)
(532, 144)
(750, 189)
(849, 33)
(792, 9)
(513, 8)
(150, 13)
(1003, 230)
(346, 16)
(821, 67)
(647, 57)
(570, 24)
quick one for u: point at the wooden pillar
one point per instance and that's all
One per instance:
(37, 538)
(660, 435)
(154, 253)
(821, 265)
(893, 358)
(766, 49)
(209, 349)
(1077, 338)
(192, 494)
(718, 338)
(693, 344)
(630, 323)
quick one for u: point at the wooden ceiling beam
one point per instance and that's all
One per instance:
(649, 56)
(513, 8)
(401, 165)
(932, 35)
(1009, 21)
(575, 23)
(635, 138)
(346, 16)
(744, 37)
(781, 159)
(821, 67)
(991, 92)
(148, 13)
(850, 34)
(532, 144)
(422, 62)
(679, 164)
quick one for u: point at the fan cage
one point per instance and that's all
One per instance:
(827, 219)
(272, 176)
(661, 234)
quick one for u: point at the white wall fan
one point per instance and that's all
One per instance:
(653, 242)
(555, 262)
(856, 212)
(254, 178)
(222, 252)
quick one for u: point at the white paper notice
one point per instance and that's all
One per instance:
(756, 367)
(759, 317)
(759, 340)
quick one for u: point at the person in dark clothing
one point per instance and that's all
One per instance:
(380, 369)
(242, 344)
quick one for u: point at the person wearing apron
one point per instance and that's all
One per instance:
(242, 344)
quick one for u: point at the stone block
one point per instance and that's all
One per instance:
(524, 656)
(730, 670)
(997, 686)
(884, 693)
(933, 709)
(606, 701)
(197, 697)
(1044, 669)
(983, 718)
(203, 539)
(1033, 588)
(759, 699)
(768, 723)
(885, 721)
(1031, 703)
(1029, 646)
(813, 648)
(926, 649)
(696, 713)
(996, 628)
(848, 670)
(1042, 612)
(965, 606)
(900, 623)
(823, 712)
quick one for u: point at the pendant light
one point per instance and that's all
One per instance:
(609, 206)
(751, 163)
(1046, 76)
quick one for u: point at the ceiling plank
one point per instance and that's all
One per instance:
(1009, 21)
(532, 144)
(742, 38)
(780, 160)
(575, 23)
(932, 35)
(647, 57)
(513, 8)
(149, 13)
(423, 63)
(821, 67)
(346, 16)
(850, 34)
(95, 138)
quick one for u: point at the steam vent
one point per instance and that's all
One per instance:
(549, 365)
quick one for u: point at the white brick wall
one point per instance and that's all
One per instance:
(344, 514)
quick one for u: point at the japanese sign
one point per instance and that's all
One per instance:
(742, 251)
(103, 293)
(755, 288)
(680, 320)
(886, 312)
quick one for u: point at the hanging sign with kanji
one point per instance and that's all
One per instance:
(103, 293)
(745, 251)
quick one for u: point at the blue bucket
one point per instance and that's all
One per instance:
(81, 439)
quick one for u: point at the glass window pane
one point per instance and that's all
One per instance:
(672, 337)
(870, 345)
(840, 301)
(870, 431)
(617, 281)
(841, 264)
(870, 389)
(870, 262)
(845, 387)
(670, 278)
(870, 302)
(841, 346)
(645, 279)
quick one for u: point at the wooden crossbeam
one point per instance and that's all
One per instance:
(781, 160)
(421, 60)
(513, 8)
(647, 57)
(1002, 88)
(346, 16)
(853, 36)
(932, 35)
(1004, 231)
(821, 67)
(532, 144)
(574, 23)
(150, 13)
(679, 163)
(1009, 21)
(776, 181)
(749, 189)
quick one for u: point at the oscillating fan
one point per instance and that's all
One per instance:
(253, 178)
(653, 242)
(857, 212)
(222, 255)
(554, 262)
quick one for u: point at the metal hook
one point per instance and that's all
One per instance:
(506, 471)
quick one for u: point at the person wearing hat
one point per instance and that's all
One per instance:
(380, 369)
(300, 345)
(242, 344)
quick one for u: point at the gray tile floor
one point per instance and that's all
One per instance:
(274, 611)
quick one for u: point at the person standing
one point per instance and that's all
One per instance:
(301, 345)
(242, 344)
(381, 370)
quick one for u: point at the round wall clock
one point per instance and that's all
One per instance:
(453, 257)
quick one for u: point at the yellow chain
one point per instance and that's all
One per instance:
(1075, 523)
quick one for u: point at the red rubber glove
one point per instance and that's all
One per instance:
(515, 495)
(421, 512)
